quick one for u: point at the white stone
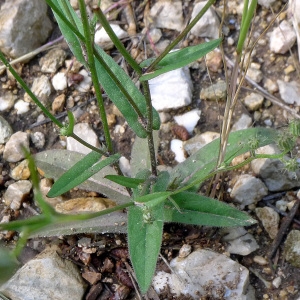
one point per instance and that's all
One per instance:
(266, 3)
(5, 130)
(269, 219)
(103, 39)
(53, 60)
(189, 120)
(125, 166)
(255, 74)
(85, 132)
(243, 122)
(7, 100)
(281, 205)
(167, 14)
(289, 91)
(22, 107)
(282, 38)
(59, 81)
(85, 84)
(294, 14)
(248, 190)
(47, 276)
(208, 25)
(154, 35)
(13, 150)
(205, 270)
(177, 148)
(38, 139)
(171, 90)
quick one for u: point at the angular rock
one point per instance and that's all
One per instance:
(217, 91)
(292, 248)
(282, 38)
(248, 190)
(47, 276)
(7, 100)
(24, 26)
(266, 3)
(189, 120)
(59, 81)
(58, 103)
(171, 90)
(84, 131)
(53, 60)
(243, 122)
(205, 273)
(255, 74)
(273, 171)
(167, 14)
(270, 220)
(214, 61)
(289, 91)
(21, 171)
(16, 193)
(38, 139)
(13, 151)
(254, 101)
(177, 148)
(5, 130)
(21, 107)
(208, 25)
(85, 85)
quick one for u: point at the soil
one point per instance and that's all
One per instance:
(114, 254)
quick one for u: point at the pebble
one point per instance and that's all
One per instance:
(177, 148)
(214, 61)
(291, 248)
(294, 14)
(271, 86)
(52, 60)
(189, 120)
(21, 107)
(289, 91)
(217, 91)
(16, 193)
(266, 3)
(243, 122)
(53, 278)
(7, 100)
(208, 25)
(13, 151)
(59, 81)
(171, 90)
(58, 103)
(85, 85)
(125, 166)
(281, 205)
(5, 130)
(282, 38)
(164, 117)
(16, 26)
(254, 101)
(45, 186)
(255, 74)
(260, 260)
(277, 282)
(85, 132)
(269, 219)
(166, 14)
(289, 69)
(38, 139)
(248, 190)
(21, 171)
(184, 251)
(154, 35)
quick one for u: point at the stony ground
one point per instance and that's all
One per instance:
(267, 67)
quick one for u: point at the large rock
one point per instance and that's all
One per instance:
(24, 26)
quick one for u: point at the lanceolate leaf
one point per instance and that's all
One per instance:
(80, 172)
(125, 181)
(179, 59)
(200, 210)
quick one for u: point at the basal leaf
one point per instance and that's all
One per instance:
(179, 59)
(200, 210)
(145, 229)
(125, 181)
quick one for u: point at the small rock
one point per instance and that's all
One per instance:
(21, 171)
(59, 81)
(21, 34)
(184, 251)
(177, 148)
(282, 38)
(154, 35)
(119, 129)
(202, 271)
(214, 61)
(7, 100)
(171, 90)
(38, 139)
(254, 101)
(271, 86)
(189, 120)
(292, 248)
(269, 219)
(85, 85)
(282, 205)
(53, 60)
(294, 14)
(217, 91)
(53, 278)
(13, 151)
(266, 3)
(167, 14)
(208, 25)
(16, 193)
(84, 205)
(260, 260)
(289, 69)
(21, 107)
(91, 277)
(197, 142)
(125, 166)
(289, 91)
(243, 122)
(164, 117)
(5, 130)
(58, 103)
(103, 39)
(248, 190)
(273, 172)
(42, 88)
(277, 282)
(111, 119)
(45, 186)
(255, 74)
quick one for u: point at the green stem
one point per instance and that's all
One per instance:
(91, 62)
(180, 36)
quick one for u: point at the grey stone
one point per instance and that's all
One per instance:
(53, 60)
(16, 193)
(292, 248)
(7, 100)
(217, 91)
(208, 25)
(171, 90)
(243, 122)
(254, 101)
(294, 14)
(248, 190)
(255, 74)
(13, 151)
(24, 26)
(38, 139)
(266, 3)
(47, 276)
(289, 91)
(269, 219)
(5, 130)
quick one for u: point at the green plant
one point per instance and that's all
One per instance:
(150, 197)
